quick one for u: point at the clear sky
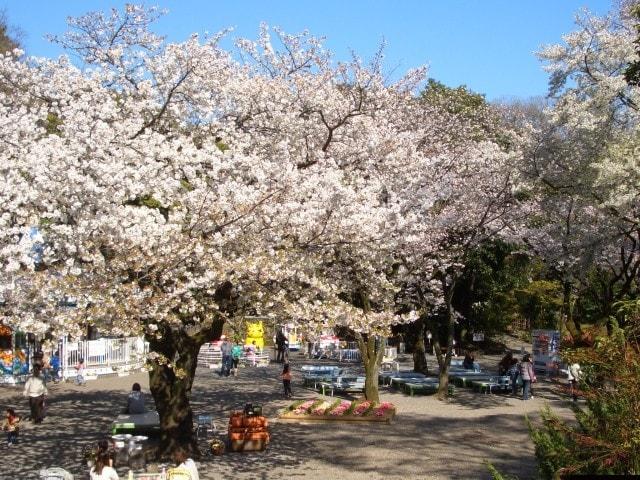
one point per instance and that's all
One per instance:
(487, 45)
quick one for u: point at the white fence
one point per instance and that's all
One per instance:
(351, 353)
(210, 356)
(103, 356)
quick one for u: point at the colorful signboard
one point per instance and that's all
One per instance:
(545, 350)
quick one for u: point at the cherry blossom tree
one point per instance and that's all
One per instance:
(584, 213)
(149, 220)
(174, 186)
(466, 198)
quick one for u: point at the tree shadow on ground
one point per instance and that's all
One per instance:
(74, 419)
(417, 444)
(440, 446)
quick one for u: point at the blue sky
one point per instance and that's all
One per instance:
(487, 45)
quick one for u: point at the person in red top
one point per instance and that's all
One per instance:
(11, 425)
(286, 381)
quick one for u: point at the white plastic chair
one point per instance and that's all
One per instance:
(55, 473)
(205, 426)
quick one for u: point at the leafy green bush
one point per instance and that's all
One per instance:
(496, 475)
(606, 439)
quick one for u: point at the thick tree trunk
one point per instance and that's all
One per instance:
(419, 357)
(171, 395)
(372, 350)
(170, 380)
(567, 310)
(444, 362)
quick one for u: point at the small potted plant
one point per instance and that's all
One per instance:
(217, 446)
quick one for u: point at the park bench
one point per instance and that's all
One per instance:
(137, 423)
(501, 383)
(424, 385)
(464, 379)
(344, 385)
(314, 374)
(396, 378)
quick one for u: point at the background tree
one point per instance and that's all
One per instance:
(598, 100)
(10, 36)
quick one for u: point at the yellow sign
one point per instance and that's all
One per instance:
(255, 333)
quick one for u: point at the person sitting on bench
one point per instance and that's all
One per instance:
(135, 400)
(468, 361)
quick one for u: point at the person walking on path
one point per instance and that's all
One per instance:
(286, 381)
(574, 376)
(225, 349)
(36, 391)
(11, 426)
(528, 376)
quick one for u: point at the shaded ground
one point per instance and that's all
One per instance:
(428, 439)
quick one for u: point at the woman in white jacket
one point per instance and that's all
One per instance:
(36, 391)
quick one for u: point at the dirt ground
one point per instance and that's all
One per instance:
(428, 439)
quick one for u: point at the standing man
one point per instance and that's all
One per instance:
(225, 349)
(280, 344)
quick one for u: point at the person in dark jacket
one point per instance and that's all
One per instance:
(514, 373)
(281, 341)
(135, 400)
(505, 363)
(468, 361)
(227, 361)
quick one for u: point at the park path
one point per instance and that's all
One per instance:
(428, 439)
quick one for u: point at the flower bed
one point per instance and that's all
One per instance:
(339, 410)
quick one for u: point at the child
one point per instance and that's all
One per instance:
(80, 377)
(11, 425)
(236, 353)
(286, 381)
(185, 466)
